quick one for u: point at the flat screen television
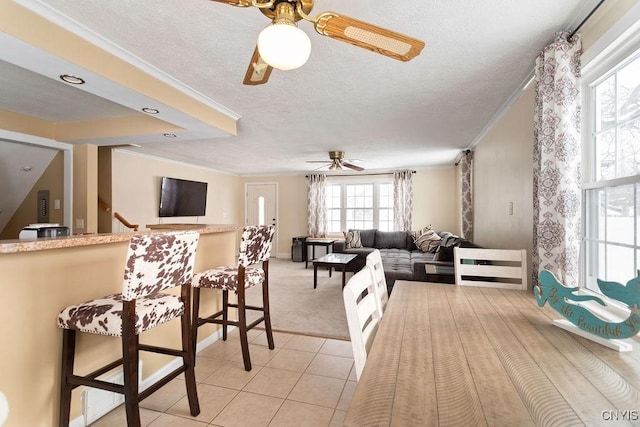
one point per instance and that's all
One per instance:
(181, 197)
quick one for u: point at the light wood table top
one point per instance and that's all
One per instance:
(453, 355)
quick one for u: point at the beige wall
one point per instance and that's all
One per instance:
(292, 208)
(434, 199)
(609, 13)
(136, 191)
(503, 174)
(27, 212)
(85, 189)
(105, 213)
(503, 160)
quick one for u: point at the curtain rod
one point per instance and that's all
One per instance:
(364, 174)
(573, 33)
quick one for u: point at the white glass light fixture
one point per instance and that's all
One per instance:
(284, 46)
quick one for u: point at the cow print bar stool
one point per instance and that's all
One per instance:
(155, 263)
(255, 247)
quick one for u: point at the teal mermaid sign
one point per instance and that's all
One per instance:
(566, 302)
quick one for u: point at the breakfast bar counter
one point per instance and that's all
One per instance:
(40, 277)
(13, 246)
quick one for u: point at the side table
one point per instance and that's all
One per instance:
(327, 243)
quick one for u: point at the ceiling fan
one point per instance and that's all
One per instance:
(338, 162)
(284, 46)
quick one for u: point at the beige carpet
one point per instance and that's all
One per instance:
(297, 307)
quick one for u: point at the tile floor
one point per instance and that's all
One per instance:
(304, 381)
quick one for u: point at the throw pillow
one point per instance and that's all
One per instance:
(427, 240)
(352, 239)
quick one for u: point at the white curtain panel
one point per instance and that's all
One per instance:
(556, 155)
(466, 194)
(317, 205)
(403, 200)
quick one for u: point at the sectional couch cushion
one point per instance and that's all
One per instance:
(393, 240)
(401, 258)
(368, 237)
(396, 264)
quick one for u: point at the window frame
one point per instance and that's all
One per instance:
(598, 70)
(375, 182)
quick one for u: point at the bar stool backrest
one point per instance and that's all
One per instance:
(156, 262)
(255, 244)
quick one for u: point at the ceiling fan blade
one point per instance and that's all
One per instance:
(319, 161)
(258, 72)
(239, 3)
(361, 34)
(352, 166)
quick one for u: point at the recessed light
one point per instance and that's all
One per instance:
(169, 135)
(150, 110)
(27, 168)
(72, 79)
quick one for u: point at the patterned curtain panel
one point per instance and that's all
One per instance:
(466, 194)
(403, 200)
(317, 206)
(556, 156)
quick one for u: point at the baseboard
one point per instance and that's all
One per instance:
(77, 422)
(169, 367)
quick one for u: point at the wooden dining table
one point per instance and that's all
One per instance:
(447, 355)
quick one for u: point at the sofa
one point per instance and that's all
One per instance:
(401, 257)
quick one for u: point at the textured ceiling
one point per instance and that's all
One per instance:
(387, 113)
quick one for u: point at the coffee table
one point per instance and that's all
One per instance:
(437, 273)
(332, 261)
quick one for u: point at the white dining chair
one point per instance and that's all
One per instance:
(363, 316)
(374, 262)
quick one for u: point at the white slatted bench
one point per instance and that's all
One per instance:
(500, 264)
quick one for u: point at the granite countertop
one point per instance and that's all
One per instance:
(15, 246)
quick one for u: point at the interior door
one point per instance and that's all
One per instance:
(261, 207)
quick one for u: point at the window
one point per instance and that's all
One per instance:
(261, 210)
(612, 182)
(360, 206)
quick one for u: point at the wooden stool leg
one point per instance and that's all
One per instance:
(265, 306)
(130, 363)
(68, 355)
(188, 354)
(225, 313)
(195, 319)
(242, 326)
